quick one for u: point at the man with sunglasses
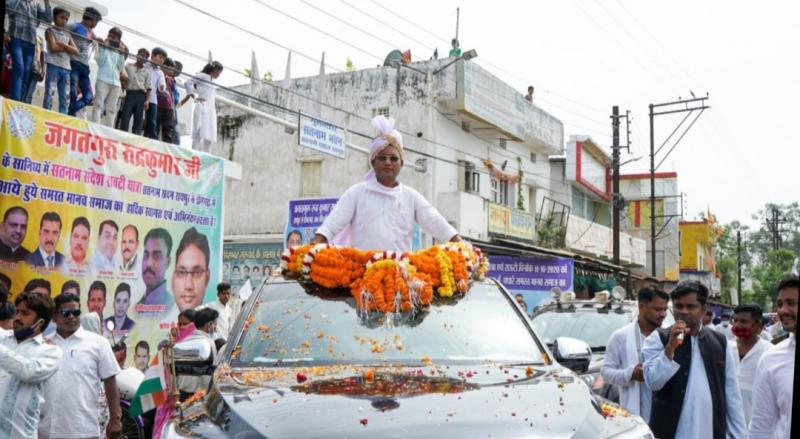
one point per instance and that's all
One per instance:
(379, 213)
(71, 407)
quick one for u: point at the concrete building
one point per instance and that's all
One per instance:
(697, 260)
(474, 147)
(635, 189)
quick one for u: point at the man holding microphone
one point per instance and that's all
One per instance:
(692, 373)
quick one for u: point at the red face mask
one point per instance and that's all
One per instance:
(741, 332)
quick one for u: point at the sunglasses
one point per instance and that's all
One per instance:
(67, 312)
(391, 158)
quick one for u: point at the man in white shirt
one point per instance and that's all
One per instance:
(747, 348)
(104, 259)
(157, 84)
(692, 373)
(380, 212)
(774, 384)
(129, 249)
(26, 362)
(222, 306)
(71, 396)
(622, 365)
(724, 326)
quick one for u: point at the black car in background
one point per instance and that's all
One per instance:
(305, 363)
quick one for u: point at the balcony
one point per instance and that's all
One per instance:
(593, 239)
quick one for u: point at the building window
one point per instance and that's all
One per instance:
(578, 203)
(311, 179)
(499, 192)
(472, 179)
(382, 111)
(533, 157)
(503, 144)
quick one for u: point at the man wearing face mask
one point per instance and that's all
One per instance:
(747, 349)
(379, 213)
(724, 326)
(26, 362)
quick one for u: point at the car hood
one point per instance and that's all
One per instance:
(354, 402)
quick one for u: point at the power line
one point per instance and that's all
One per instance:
(251, 33)
(317, 29)
(258, 100)
(377, 20)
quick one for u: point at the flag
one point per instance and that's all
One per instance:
(245, 291)
(152, 392)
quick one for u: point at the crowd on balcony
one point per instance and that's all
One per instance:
(145, 90)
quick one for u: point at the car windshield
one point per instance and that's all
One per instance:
(292, 325)
(592, 327)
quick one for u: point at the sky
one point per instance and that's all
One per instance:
(582, 56)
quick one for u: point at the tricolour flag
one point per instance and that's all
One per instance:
(152, 392)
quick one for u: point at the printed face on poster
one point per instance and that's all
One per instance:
(530, 279)
(131, 226)
(253, 261)
(306, 215)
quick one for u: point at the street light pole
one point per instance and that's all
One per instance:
(615, 198)
(652, 197)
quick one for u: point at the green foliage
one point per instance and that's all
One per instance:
(520, 197)
(760, 262)
(266, 78)
(349, 66)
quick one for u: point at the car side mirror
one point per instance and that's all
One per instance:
(197, 350)
(572, 353)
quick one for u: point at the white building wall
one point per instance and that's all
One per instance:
(271, 158)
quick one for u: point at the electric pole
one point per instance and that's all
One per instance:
(616, 197)
(615, 180)
(738, 266)
(688, 106)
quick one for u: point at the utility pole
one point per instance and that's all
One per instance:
(738, 266)
(615, 181)
(688, 106)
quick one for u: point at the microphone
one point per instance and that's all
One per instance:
(681, 335)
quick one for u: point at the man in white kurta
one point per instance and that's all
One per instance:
(774, 384)
(622, 365)
(747, 348)
(380, 212)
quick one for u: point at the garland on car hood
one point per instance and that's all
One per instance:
(389, 281)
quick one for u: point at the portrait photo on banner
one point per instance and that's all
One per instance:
(129, 225)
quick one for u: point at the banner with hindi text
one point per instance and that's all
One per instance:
(132, 225)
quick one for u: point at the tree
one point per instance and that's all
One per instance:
(766, 276)
(349, 66)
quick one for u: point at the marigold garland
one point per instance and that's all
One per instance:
(388, 281)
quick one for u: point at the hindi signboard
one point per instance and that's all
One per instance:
(532, 277)
(132, 225)
(322, 136)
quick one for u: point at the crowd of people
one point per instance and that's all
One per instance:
(145, 90)
(60, 382)
(694, 379)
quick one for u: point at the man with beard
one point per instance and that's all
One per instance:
(12, 234)
(692, 374)
(26, 363)
(97, 298)
(773, 389)
(104, 260)
(155, 260)
(191, 275)
(46, 256)
(130, 249)
(747, 350)
(622, 366)
(122, 300)
(78, 245)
